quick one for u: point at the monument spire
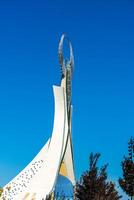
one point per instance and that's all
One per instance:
(67, 66)
(70, 63)
(55, 160)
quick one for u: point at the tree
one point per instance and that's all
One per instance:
(49, 197)
(127, 182)
(93, 184)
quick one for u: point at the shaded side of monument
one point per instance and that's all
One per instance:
(51, 172)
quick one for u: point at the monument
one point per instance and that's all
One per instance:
(51, 172)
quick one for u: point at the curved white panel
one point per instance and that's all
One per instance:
(69, 159)
(38, 178)
(46, 178)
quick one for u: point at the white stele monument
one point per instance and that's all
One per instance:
(38, 179)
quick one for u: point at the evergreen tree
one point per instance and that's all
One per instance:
(127, 182)
(93, 184)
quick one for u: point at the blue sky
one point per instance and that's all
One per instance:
(102, 34)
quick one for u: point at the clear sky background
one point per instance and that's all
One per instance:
(102, 34)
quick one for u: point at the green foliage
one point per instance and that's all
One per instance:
(93, 184)
(127, 182)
